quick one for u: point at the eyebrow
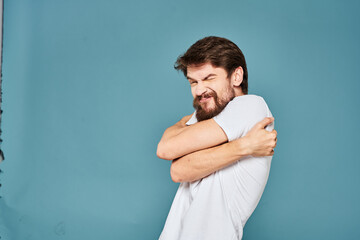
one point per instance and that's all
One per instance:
(208, 76)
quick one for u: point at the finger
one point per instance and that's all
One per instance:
(274, 133)
(272, 152)
(186, 118)
(263, 123)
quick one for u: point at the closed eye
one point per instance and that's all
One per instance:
(192, 82)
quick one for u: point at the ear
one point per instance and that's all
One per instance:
(237, 77)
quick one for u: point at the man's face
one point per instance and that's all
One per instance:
(211, 89)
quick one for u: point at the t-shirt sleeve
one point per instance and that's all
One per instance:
(241, 114)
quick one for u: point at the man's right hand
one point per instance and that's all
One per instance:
(258, 141)
(184, 120)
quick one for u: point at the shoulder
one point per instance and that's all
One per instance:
(248, 106)
(248, 101)
(241, 114)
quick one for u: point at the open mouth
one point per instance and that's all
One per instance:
(205, 99)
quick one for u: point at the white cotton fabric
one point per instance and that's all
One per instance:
(218, 206)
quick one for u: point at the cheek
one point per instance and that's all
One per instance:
(219, 86)
(225, 90)
(220, 92)
(193, 92)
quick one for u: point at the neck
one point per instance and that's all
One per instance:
(238, 92)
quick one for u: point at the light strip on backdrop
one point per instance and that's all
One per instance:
(1, 58)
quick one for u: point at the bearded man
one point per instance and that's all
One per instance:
(221, 154)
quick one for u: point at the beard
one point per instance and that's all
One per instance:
(220, 103)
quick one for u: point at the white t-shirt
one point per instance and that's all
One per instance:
(218, 206)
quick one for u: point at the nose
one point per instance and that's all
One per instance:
(200, 89)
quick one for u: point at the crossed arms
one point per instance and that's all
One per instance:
(202, 148)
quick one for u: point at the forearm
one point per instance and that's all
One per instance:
(200, 164)
(174, 130)
(164, 150)
(181, 139)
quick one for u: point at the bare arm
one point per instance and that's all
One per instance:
(180, 139)
(176, 129)
(197, 165)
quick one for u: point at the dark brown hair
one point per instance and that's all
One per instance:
(220, 52)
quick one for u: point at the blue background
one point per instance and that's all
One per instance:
(89, 87)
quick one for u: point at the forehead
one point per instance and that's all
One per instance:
(203, 70)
